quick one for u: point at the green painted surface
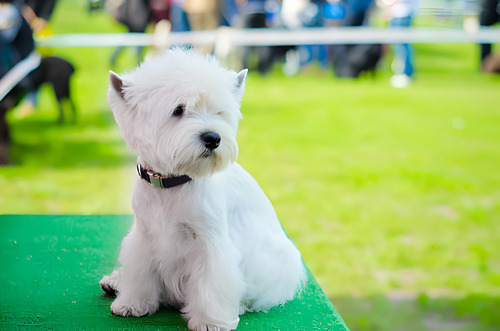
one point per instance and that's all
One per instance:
(51, 267)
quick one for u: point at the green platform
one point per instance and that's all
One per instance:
(50, 267)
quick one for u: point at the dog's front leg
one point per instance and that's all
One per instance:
(138, 292)
(214, 288)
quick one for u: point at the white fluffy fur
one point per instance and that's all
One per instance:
(212, 248)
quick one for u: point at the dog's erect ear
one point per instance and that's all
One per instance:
(240, 83)
(116, 83)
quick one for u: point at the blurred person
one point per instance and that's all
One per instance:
(40, 10)
(470, 15)
(162, 26)
(313, 16)
(160, 10)
(230, 13)
(203, 15)
(16, 36)
(292, 15)
(278, 15)
(135, 15)
(37, 13)
(333, 10)
(401, 13)
(25, 19)
(253, 16)
(17, 44)
(488, 16)
(291, 11)
(228, 53)
(17, 48)
(178, 17)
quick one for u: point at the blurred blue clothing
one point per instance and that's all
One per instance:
(403, 52)
(334, 10)
(178, 17)
(230, 13)
(356, 12)
(254, 7)
(313, 17)
(16, 39)
(17, 44)
(11, 23)
(358, 5)
(404, 8)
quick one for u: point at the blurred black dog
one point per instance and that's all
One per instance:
(53, 70)
(349, 61)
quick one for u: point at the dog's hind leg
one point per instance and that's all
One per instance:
(137, 282)
(62, 92)
(73, 108)
(4, 153)
(65, 103)
(61, 112)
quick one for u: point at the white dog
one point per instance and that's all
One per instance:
(205, 238)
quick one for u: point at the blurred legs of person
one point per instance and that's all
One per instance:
(264, 53)
(489, 15)
(203, 15)
(200, 22)
(314, 17)
(403, 57)
(135, 15)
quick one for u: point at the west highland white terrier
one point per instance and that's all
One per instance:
(205, 239)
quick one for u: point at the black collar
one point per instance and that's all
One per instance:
(158, 180)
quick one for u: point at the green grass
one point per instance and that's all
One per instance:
(391, 195)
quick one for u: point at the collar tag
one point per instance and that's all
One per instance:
(155, 179)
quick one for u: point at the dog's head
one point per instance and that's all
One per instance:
(179, 112)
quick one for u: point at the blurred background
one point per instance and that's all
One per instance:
(381, 159)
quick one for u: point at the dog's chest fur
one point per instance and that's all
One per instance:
(180, 210)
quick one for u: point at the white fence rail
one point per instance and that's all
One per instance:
(263, 37)
(259, 37)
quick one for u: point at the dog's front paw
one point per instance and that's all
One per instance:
(108, 285)
(119, 308)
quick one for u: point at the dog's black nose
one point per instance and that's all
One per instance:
(210, 139)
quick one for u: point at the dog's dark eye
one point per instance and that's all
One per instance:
(179, 111)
